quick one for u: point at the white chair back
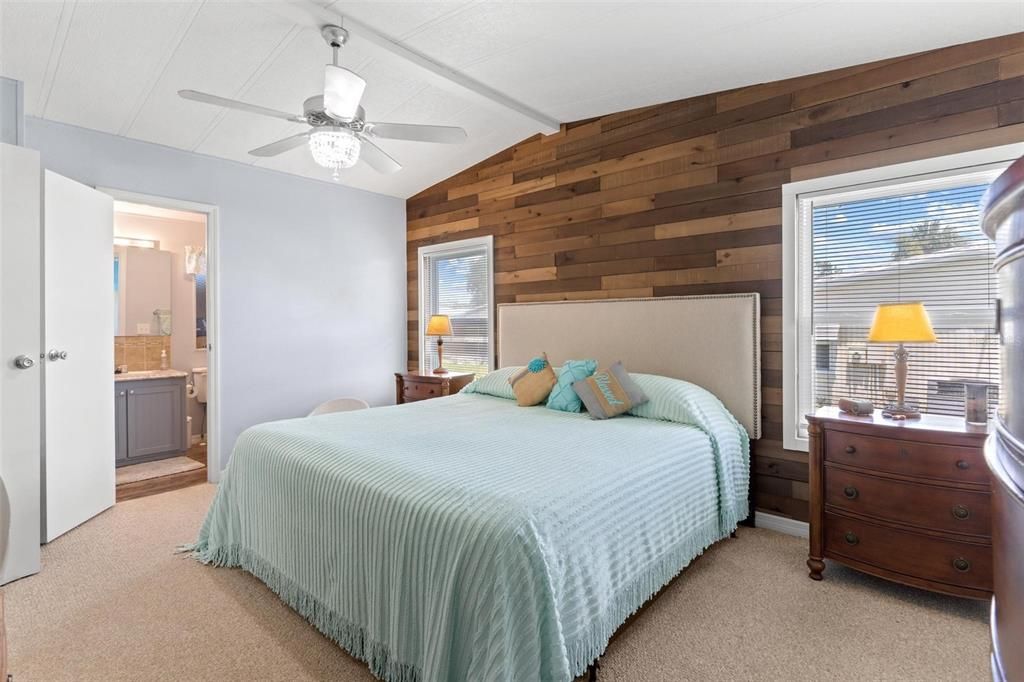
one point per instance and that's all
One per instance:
(339, 405)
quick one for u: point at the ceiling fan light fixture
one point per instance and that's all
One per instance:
(343, 90)
(334, 148)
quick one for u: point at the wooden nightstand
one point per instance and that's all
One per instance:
(906, 501)
(412, 386)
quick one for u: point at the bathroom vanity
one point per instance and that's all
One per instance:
(149, 409)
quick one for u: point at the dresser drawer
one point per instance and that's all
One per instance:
(420, 390)
(921, 556)
(928, 506)
(928, 460)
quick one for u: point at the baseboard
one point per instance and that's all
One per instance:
(781, 524)
(196, 439)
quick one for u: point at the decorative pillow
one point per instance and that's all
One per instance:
(533, 383)
(495, 383)
(562, 396)
(609, 392)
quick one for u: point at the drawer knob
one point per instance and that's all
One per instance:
(961, 564)
(851, 538)
(850, 449)
(962, 464)
(850, 492)
(961, 512)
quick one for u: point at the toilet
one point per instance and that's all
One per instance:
(197, 389)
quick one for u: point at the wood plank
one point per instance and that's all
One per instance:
(866, 102)
(723, 223)
(905, 135)
(739, 97)
(530, 275)
(915, 152)
(980, 97)
(1011, 66)
(925, 64)
(480, 186)
(642, 292)
(725, 273)
(642, 158)
(515, 190)
(768, 253)
(443, 228)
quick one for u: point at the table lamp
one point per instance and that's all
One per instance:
(439, 325)
(901, 323)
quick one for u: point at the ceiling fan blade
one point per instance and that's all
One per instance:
(241, 106)
(275, 148)
(417, 133)
(377, 158)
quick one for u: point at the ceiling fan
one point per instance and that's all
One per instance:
(339, 134)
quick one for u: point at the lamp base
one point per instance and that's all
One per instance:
(440, 370)
(901, 411)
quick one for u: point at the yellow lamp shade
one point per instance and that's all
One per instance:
(901, 323)
(439, 325)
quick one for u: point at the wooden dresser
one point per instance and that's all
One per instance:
(1003, 220)
(412, 386)
(906, 501)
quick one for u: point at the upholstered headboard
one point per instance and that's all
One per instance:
(713, 341)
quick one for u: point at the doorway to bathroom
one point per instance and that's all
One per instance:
(163, 338)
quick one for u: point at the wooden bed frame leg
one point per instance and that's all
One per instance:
(592, 670)
(733, 535)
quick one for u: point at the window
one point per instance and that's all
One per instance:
(456, 279)
(884, 236)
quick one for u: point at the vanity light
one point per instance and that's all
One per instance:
(134, 241)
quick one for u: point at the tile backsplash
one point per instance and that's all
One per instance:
(141, 352)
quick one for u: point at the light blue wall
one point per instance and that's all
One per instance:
(312, 274)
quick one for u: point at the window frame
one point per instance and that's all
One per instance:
(453, 248)
(796, 276)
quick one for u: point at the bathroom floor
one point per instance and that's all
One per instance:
(149, 478)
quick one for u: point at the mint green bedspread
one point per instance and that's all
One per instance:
(466, 538)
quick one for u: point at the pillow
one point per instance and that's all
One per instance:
(609, 392)
(562, 397)
(533, 383)
(495, 383)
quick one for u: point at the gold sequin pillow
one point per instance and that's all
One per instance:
(533, 383)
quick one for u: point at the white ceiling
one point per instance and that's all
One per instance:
(117, 66)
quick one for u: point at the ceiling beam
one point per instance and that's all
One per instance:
(433, 72)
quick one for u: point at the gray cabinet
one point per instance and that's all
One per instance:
(150, 419)
(121, 422)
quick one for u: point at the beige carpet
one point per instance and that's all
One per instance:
(113, 602)
(161, 467)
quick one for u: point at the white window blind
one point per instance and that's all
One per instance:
(895, 241)
(456, 279)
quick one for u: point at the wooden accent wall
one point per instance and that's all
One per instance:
(684, 198)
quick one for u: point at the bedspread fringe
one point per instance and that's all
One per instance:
(628, 601)
(352, 638)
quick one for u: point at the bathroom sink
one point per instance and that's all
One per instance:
(138, 375)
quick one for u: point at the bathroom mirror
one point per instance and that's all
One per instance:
(142, 291)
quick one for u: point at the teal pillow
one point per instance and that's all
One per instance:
(563, 397)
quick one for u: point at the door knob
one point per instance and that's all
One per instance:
(55, 355)
(24, 362)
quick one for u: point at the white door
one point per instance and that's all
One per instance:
(78, 330)
(20, 381)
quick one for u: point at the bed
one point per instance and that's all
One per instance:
(466, 538)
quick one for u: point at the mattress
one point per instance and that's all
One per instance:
(466, 538)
